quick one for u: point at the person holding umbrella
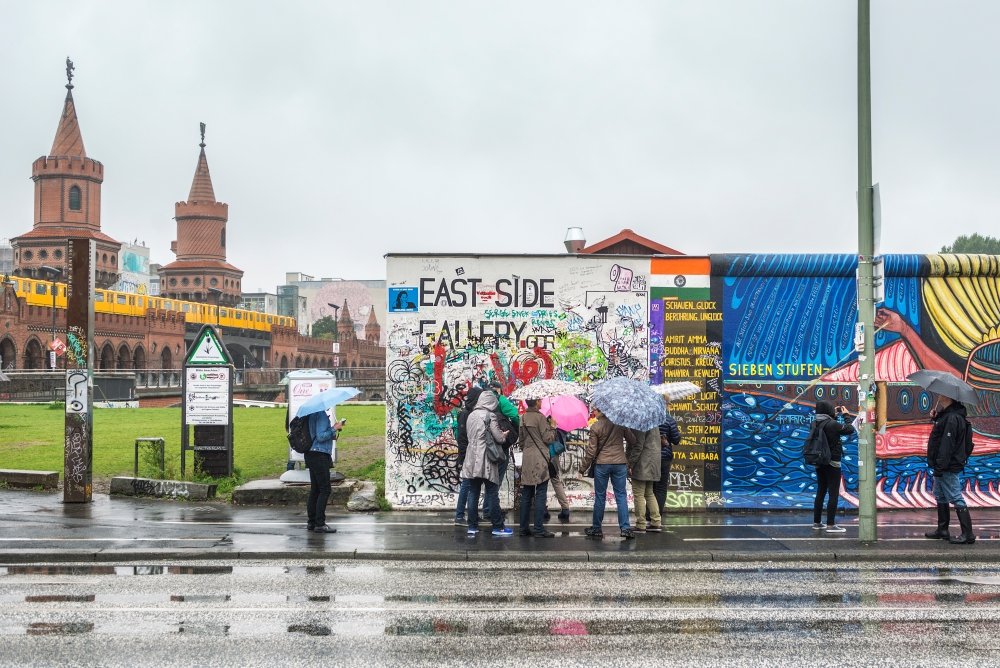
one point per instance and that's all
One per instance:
(319, 458)
(535, 434)
(948, 448)
(605, 455)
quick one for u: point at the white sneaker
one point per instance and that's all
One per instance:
(818, 526)
(836, 528)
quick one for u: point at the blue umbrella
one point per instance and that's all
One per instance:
(326, 400)
(629, 403)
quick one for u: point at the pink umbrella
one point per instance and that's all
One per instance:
(569, 412)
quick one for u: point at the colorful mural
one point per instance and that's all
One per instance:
(453, 321)
(765, 336)
(686, 341)
(788, 341)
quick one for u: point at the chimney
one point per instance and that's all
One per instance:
(574, 241)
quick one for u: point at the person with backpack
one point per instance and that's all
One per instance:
(535, 434)
(508, 421)
(948, 450)
(482, 464)
(462, 440)
(319, 461)
(824, 450)
(670, 436)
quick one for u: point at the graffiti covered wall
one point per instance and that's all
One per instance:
(456, 320)
(686, 340)
(788, 341)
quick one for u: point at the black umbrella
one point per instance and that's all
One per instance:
(945, 384)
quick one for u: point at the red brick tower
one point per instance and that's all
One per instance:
(200, 272)
(67, 204)
(373, 331)
(345, 326)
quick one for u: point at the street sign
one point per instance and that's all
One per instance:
(206, 394)
(207, 349)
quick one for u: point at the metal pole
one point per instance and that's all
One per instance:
(867, 521)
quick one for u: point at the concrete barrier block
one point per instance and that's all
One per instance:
(19, 478)
(172, 489)
(277, 493)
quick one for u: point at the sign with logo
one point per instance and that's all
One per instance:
(58, 347)
(208, 349)
(206, 396)
(403, 300)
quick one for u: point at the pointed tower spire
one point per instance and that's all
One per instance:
(68, 141)
(373, 331)
(201, 186)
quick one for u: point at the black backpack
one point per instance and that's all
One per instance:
(506, 424)
(816, 450)
(299, 437)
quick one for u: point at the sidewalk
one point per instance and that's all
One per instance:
(38, 528)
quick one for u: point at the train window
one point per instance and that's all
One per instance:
(98, 296)
(141, 301)
(270, 320)
(120, 299)
(223, 313)
(169, 305)
(131, 301)
(186, 308)
(239, 315)
(41, 289)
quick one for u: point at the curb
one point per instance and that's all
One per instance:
(609, 557)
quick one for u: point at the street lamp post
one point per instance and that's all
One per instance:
(867, 521)
(53, 273)
(217, 293)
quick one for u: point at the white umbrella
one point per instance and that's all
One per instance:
(547, 388)
(679, 390)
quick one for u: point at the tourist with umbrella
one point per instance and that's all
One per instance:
(319, 458)
(619, 404)
(948, 448)
(535, 433)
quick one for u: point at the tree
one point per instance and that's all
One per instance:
(975, 243)
(325, 328)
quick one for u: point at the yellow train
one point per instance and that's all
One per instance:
(39, 293)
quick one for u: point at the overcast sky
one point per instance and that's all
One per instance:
(340, 131)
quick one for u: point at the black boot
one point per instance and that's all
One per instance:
(942, 528)
(967, 537)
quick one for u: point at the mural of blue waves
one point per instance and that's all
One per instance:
(799, 264)
(762, 465)
(789, 323)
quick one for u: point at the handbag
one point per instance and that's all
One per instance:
(557, 447)
(494, 452)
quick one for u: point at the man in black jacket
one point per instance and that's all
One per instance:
(832, 420)
(948, 449)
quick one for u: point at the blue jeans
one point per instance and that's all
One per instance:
(948, 489)
(618, 474)
(537, 496)
(487, 511)
(463, 499)
(492, 500)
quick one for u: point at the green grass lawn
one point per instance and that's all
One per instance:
(31, 437)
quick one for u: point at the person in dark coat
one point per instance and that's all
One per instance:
(670, 437)
(831, 421)
(462, 439)
(948, 450)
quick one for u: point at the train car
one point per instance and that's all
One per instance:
(40, 293)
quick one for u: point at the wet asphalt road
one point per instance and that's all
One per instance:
(348, 613)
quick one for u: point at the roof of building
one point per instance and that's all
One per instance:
(68, 141)
(201, 186)
(197, 265)
(628, 235)
(57, 232)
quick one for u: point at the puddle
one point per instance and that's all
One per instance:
(60, 598)
(200, 598)
(59, 629)
(310, 629)
(200, 570)
(203, 629)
